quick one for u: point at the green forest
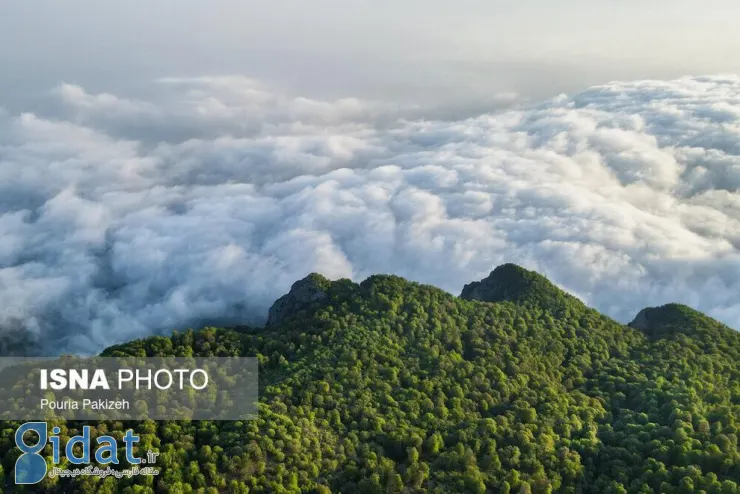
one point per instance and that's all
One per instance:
(390, 386)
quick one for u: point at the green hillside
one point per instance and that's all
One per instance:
(392, 386)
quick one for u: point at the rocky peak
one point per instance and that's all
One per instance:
(303, 293)
(641, 320)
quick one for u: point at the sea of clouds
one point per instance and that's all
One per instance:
(122, 217)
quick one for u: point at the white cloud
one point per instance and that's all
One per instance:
(121, 217)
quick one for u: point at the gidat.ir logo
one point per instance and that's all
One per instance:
(30, 468)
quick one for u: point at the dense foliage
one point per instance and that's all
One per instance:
(391, 386)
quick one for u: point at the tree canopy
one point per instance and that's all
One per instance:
(393, 386)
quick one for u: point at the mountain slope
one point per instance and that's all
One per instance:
(393, 386)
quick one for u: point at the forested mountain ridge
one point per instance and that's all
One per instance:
(392, 386)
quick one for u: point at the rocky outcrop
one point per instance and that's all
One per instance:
(311, 289)
(486, 290)
(641, 321)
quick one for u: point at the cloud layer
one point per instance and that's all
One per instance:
(120, 217)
